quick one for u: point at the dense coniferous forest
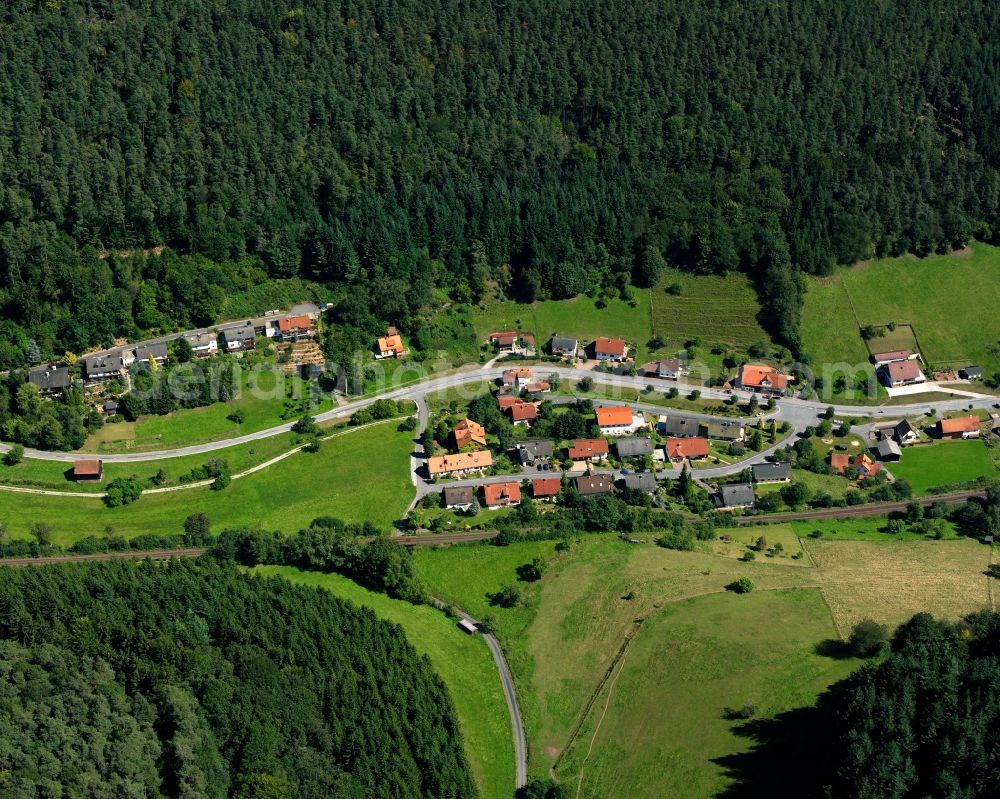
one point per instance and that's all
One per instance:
(195, 680)
(412, 144)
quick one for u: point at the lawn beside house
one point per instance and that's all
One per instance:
(943, 463)
(360, 476)
(462, 661)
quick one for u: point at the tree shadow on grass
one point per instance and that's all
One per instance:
(778, 764)
(834, 648)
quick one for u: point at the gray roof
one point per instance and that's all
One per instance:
(144, 351)
(103, 363)
(563, 343)
(239, 334)
(459, 495)
(532, 450)
(735, 495)
(681, 426)
(970, 372)
(887, 447)
(49, 377)
(594, 484)
(763, 472)
(726, 429)
(633, 447)
(199, 339)
(644, 481)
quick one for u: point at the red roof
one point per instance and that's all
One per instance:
(894, 355)
(687, 448)
(87, 468)
(613, 415)
(584, 448)
(502, 493)
(511, 376)
(523, 411)
(965, 424)
(290, 323)
(469, 432)
(903, 370)
(839, 461)
(506, 401)
(546, 487)
(755, 376)
(506, 337)
(610, 346)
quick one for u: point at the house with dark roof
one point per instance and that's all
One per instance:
(669, 369)
(50, 379)
(771, 472)
(103, 367)
(971, 373)
(202, 344)
(110, 407)
(901, 373)
(734, 496)
(888, 450)
(534, 453)
(157, 352)
(723, 429)
(594, 485)
(905, 433)
(564, 346)
(633, 447)
(641, 481)
(239, 338)
(678, 426)
(610, 349)
(458, 497)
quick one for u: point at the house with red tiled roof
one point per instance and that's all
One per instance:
(504, 341)
(389, 346)
(462, 463)
(523, 412)
(617, 420)
(691, 449)
(839, 461)
(294, 328)
(963, 427)
(546, 487)
(585, 449)
(516, 378)
(901, 373)
(761, 379)
(610, 349)
(500, 495)
(467, 432)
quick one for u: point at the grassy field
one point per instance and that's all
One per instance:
(666, 710)
(715, 309)
(464, 664)
(567, 632)
(579, 317)
(942, 297)
(263, 400)
(870, 528)
(363, 475)
(943, 463)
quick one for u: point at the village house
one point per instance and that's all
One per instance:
(670, 369)
(467, 433)
(110, 407)
(516, 379)
(505, 400)
(971, 373)
(458, 497)
(682, 449)
(546, 488)
(888, 450)
(88, 470)
(203, 345)
(50, 379)
(593, 485)
(505, 341)
(534, 453)
(390, 345)
(102, 367)
(642, 481)
(523, 412)
(501, 495)
(963, 427)
(734, 496)
(295, 328)
(618, 420)
(679, 426)
(633, 447)
(723, 429)
(839, 461)
(866, 465)
(893, 356)
(905, 433)
(563, 346)
(771, 472)
(587, 449)
(761, 380)
(901, 373)
(239, 338)
(462, 463)
(147, 353)
(538, 387)
(610, 349)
